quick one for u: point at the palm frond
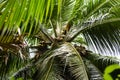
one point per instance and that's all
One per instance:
(93, 71)
(47, 68)
(108, 40)
(101, 62)
(100, 28)
(25, 72)
(18, 14)
(48, 64)
(9, 64)
(61, 20)
(73, 61)
(67, 7)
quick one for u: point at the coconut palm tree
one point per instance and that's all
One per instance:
(70, 39)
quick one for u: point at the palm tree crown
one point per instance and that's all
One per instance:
(70, 39)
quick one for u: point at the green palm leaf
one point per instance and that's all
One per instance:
(49, 65)
(9, 64)
(21, 14)
(101, 62)
(100, 28)
(75, 65)
(46, 68)
(93, 71)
